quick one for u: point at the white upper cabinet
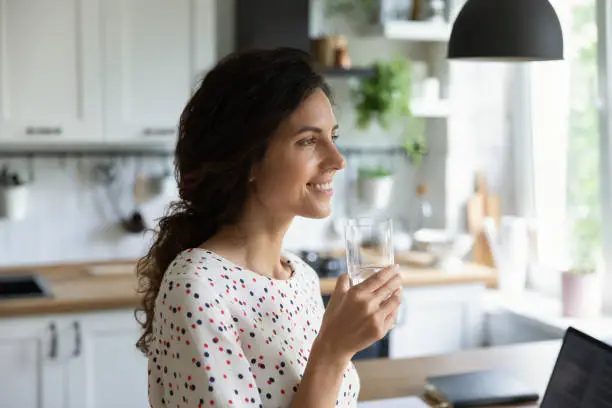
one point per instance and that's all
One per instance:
(50, 89)
(155, 52)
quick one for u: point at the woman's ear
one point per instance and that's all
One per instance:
(253, 173)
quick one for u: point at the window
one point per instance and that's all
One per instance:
(565, 149)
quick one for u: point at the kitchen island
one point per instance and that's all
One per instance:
(531, 363)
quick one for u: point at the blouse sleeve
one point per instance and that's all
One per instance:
(202, 362)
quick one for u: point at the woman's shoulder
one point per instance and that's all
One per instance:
(197, 264)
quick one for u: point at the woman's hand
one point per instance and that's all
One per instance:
(357, 316)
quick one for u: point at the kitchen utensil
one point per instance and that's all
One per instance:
(14, 201)
(14, 194)
(479, 206)
(106, 175)
(369, 246)
(135, 223)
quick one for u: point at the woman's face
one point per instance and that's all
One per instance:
(294, 178)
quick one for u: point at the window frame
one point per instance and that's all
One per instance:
(604, 71)
(522, 147)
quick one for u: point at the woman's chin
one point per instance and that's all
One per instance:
(318, 212)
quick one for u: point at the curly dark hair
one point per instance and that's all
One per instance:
(223, 131)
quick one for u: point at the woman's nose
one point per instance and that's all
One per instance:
(336, 159)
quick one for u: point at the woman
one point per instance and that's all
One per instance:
(231, 319)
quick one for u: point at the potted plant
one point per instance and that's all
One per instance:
(384, 98)
(374, 186)
(580, 285)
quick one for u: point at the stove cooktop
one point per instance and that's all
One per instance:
(324, 266)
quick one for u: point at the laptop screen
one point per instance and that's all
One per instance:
(582, 376)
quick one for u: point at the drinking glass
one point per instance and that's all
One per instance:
(369, 246)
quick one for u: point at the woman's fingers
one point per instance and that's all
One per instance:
(388, 288)
(378, 279)
(391, 305)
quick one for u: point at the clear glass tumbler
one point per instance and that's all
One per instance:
(369, 246)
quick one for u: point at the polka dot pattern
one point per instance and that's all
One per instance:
(224, 336)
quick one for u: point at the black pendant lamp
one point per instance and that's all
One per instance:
(506, 30)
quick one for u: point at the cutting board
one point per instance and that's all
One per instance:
(480, 205)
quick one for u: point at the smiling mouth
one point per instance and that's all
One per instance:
(323, 188)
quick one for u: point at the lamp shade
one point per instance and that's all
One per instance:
(506, 30)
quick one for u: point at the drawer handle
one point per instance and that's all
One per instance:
(77, 339)
(45, 131)
(53, 348)
(158, 131)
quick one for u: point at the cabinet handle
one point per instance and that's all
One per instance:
(77, 339)
(158, 131)
(53, 348)
(45, 131)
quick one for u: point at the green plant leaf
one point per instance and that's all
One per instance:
(385, 96)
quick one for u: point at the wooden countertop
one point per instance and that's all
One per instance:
(76, 289)
(111, 285)
(412, 276)
(531, 363)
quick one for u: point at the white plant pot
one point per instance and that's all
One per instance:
(581, 294)
(375, 192)
(14, 202)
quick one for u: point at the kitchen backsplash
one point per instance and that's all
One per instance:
(72, 217)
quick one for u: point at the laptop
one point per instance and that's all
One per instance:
(581, 378)
(582, 375)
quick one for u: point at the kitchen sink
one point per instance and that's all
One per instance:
(28, 285)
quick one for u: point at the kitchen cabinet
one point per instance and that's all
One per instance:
(156, 51)
(108, 371)
(72, 361)
(50, 68)
(438, 319)
(32, 373)
(91, 72)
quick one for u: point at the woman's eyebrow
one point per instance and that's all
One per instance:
(315, 129)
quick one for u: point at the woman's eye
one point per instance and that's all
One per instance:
(307, 142)
(335, 137)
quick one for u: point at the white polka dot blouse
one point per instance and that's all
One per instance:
(224, 336)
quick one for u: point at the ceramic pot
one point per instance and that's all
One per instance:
(375, 192)
(581, 294)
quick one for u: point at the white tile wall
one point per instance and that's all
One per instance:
(70, 217)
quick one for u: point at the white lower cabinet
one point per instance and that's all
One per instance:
(438, 320)
(68, 361)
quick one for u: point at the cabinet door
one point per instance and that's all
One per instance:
(33, 361)
(437, 320)
(108, 370)
(50, 71)
(155, 52)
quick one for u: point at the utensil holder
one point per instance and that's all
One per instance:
(14, 202)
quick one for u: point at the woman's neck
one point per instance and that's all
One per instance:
(254, 243)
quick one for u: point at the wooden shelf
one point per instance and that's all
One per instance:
(411, 30)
